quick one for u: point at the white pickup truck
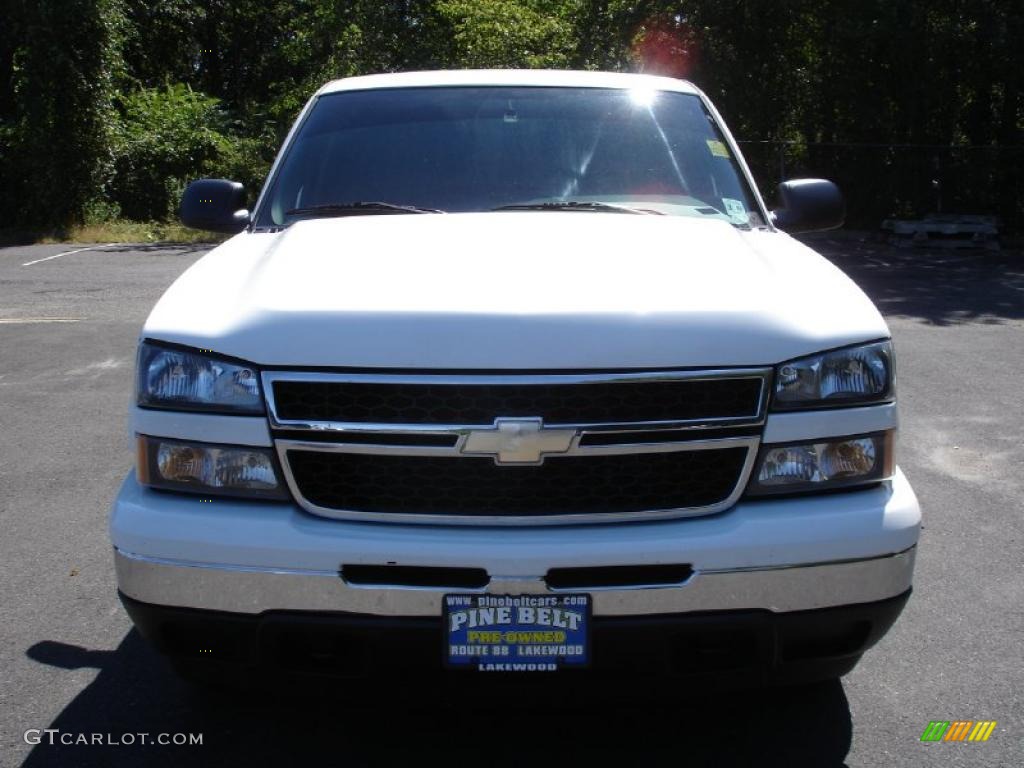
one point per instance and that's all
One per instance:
(514, 371)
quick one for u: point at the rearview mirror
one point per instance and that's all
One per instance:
(809, 205)
(216, 205)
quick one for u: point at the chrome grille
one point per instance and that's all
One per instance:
(512, 449)
(585, 402)
(577, 485)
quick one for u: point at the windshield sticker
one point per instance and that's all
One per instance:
(718, 149)
(735, 210)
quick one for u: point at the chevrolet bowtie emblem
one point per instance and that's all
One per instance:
(518, 441)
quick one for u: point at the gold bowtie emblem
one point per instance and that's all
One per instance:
(518, 441)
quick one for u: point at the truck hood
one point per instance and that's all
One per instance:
(514, 290)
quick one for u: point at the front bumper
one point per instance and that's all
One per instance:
(248, 590)
(741, 647)
(777, 555)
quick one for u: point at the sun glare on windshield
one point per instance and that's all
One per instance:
(643, 97)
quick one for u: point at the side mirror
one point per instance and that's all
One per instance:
(216, 205)
(809, 205)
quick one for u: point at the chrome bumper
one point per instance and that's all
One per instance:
(252, 590)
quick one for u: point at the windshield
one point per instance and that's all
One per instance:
(481, 148)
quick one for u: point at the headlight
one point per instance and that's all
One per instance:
(189, 381)
(821, 465)
(848, 376)
(209, 469)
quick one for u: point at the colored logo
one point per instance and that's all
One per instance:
(958, 730)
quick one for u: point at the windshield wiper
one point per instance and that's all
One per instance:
(576, 205)
(356, 208)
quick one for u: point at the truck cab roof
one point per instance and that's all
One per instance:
(511, 77)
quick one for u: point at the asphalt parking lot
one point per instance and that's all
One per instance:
(69, 660)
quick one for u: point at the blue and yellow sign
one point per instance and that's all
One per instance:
(517, 633)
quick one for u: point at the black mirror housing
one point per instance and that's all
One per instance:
(215, 205)
(809, 205)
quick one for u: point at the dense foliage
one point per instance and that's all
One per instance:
(110, 106)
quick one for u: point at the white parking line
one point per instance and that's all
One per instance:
(30, 320)
(68, 253)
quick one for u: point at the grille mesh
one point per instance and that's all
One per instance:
(477, 486)
(481, 404)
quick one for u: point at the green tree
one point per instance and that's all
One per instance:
(64, 71)
(510, 33)
(167, 137)
(811, 77)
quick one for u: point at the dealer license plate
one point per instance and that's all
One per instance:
(516, 633)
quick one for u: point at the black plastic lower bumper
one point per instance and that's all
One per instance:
(750, 646)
